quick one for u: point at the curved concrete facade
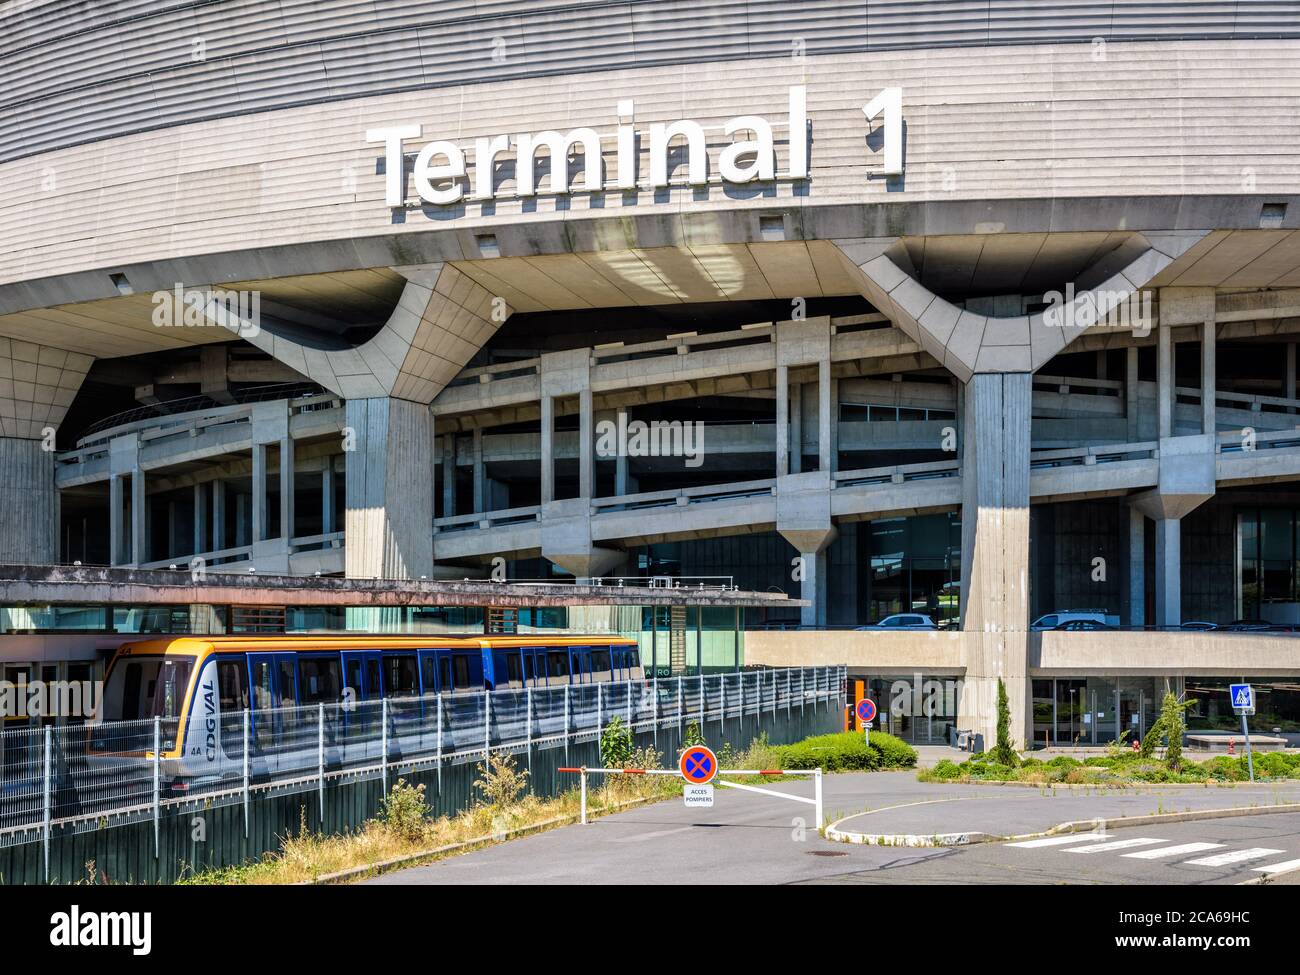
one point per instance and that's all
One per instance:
(403, 186)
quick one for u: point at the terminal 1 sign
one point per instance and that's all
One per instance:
(442, 175)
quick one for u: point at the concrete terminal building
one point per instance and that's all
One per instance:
(984, 309)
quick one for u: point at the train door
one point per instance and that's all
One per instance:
(362, 684)
(272, 685)
(580, 665)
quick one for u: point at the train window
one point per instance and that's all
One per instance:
(400, 675)
(514, 667)
(462, 670)
(444, 671)
(321, 680)
(528, 666)
(352, 679)
(429, 673)
(263, 688)
(559, 663)
(147, 687)
(600, 662)
(232, 685)
(289, 692)
(374, 686)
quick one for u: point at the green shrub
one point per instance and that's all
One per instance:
(946, 770)
(404, 811)
(616, 744)
(1063, 762)
(847, 752)
(691, 736)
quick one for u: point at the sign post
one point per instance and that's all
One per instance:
(1243, 702)
(866, 714)
(698, 766)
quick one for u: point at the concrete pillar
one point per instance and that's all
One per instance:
(480, 480)
(218, 515)
(173, 530)
(1164, 382)
(286, 489)
(117, 530)
(327, 513)
(1290, 391)
(586, 446)
(389, 517)
(1137, 523)
(29, 501)
(242, 527)
(824, 419)
(259, 493)
(200, 517)
(835, 426)
(1131, 393)
(782, 420)
(1169, 589)
(621, 480)
(1207, 378)
(548, 449)
(995, 551)
(796, 427)
(139, 520)
(813, 587)
(449, 476)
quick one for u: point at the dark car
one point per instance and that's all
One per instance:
(1083, 625)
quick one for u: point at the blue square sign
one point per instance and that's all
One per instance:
(1242, 697)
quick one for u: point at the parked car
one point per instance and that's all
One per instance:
(1083, 625)
(1198, 625)
(1053, 621)
(1246, 625)
(903, 621)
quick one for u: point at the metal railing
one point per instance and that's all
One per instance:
(83, 777)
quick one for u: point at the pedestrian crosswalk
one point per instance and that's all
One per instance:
(1154, 848)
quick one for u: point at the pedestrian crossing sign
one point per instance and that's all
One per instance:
(1243, 698)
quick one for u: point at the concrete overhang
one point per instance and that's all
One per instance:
(49, 585)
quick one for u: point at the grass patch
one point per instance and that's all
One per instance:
(1115, 768)
(406, 828)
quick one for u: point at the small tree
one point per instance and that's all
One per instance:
(616, 744)
(1003, 752)
(691, 736)
(500, 782)
(1169, 727)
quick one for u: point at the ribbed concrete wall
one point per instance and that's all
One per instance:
(29, 504)
(73, 72)
(1171, 120)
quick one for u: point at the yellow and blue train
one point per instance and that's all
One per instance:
(200, 687)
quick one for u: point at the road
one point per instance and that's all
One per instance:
(752, 839)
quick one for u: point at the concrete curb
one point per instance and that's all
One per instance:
(1108, 786)
(1078, 826)
(465, 846)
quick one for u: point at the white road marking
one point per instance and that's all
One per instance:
(1061, 840)
(1173, 851)
(1286, 866)
(1233, 856)
(1118, 845)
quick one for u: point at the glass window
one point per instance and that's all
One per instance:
(321, 679)
(400, 675)
(147, 687)
(559, 663)
(429, 673)
(232, 685)
(461, 663)
(514, 667)
(444, 672)
(600, 661)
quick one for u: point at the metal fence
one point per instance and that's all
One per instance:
(83, 777)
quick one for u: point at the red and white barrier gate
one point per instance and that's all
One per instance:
(816, 773)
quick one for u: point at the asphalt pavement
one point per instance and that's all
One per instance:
(754, 839)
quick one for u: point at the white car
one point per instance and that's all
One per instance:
(903, 621)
